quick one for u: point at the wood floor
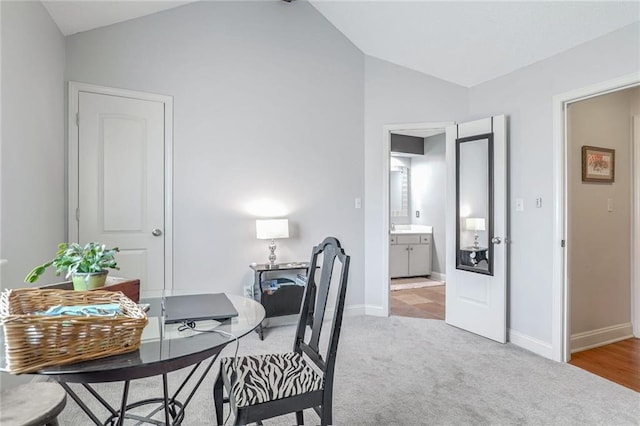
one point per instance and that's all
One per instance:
(426, 302)
(618, 362)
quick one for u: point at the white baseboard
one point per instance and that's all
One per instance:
(600, 337)
(349, 311)
(438, 276)
(531, 344)
(355, 310)
(375, 311)
(282, 320)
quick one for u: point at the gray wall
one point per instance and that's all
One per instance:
(599, 241)
(428, 191)
(634, 103)
(526, 96)
(394, 94)
(267, 104)
(407, 144)
(32, 137)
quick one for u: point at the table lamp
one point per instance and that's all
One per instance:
(270, 229)
(475, 224)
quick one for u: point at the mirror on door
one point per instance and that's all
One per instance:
(474, 203)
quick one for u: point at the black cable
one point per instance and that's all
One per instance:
(191, 325)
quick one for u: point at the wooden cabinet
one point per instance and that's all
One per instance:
(129, 286)
(409, 255)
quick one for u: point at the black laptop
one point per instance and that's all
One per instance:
(198, 307)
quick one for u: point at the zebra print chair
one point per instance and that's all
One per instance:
(265, 386)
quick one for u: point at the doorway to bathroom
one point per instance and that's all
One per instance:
(417, 189)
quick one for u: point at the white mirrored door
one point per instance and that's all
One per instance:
(477, 227)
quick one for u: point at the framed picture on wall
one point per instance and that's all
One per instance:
(598, 164)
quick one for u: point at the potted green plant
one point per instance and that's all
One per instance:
(87, 266)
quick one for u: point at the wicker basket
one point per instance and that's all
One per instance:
(33, 342)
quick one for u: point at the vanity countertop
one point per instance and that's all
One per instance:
(412, 229)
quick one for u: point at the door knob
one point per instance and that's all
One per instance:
(496, 240)
(156, 232)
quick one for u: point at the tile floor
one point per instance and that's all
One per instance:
(425, 302)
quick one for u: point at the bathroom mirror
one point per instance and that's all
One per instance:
(399, 192)
(474, 203)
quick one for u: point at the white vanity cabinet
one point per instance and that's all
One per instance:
(409, 255)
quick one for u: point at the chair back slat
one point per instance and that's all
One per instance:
(328, 260)
(313, 355)
(314, 305)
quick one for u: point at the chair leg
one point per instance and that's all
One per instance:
(241, 417)
(326, 414)
(299, 417)
(218, 398)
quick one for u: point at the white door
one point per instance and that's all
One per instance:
(121, 190)
(476, 227)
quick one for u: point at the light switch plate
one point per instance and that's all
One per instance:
(519, 204)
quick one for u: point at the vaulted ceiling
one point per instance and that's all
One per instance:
(466, 43)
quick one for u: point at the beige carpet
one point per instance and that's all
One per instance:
(408, 283)
(407, 371)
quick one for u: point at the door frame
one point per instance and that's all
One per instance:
(387, 129)
(560, 333)
(73, 151)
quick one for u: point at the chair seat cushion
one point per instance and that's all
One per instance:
(264, 378)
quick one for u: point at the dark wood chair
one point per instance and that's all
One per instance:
(265, 386)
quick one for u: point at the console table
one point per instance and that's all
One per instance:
(471, 256)
(286, 299)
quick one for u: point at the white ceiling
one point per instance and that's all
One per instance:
(466, 43)
(77, 16)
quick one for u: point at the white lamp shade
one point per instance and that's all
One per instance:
(474, 223)
(269, 229)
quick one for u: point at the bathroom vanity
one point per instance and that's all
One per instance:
(410, 251)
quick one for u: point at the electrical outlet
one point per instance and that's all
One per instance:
(248, 291)
(539, 202)
(519, 204)
(417, 213)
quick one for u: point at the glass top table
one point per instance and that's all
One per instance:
(164, 348)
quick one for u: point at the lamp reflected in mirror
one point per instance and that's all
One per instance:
(475, 224)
